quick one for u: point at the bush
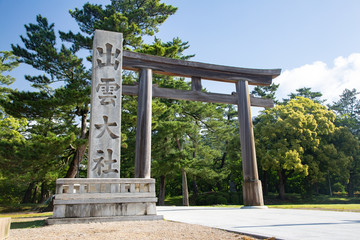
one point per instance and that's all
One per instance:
(234, 198)
(338, 187)
(10, 192)
(213, 198)
(221, 200)
(200, 200)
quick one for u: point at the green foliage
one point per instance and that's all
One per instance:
(173, 49)
(181, 138)
(306, 93)
(289, 134)
(347, 110)
(51, 113)
(7, 63)
(297, 199)
(338, 187)
(286, 131)
(133, 18)
(266, 91)
(218, 198)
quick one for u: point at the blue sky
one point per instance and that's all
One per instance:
(315, 43)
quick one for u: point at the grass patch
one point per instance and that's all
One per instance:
(23, 214)
(272, 199)
(223, 206)
(30, 224)
(21, 208)
(174, 201)
(27, 215)
(337, 202)
(291, 199)
(330, 207)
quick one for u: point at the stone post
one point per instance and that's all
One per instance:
(252, 190)
(105, 120)
(143, 125)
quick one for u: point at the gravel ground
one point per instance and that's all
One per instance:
(124, 230)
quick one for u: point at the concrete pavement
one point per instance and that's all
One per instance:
(279, 223)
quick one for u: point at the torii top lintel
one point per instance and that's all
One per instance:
(177, 67)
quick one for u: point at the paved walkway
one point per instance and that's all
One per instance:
(278, 223)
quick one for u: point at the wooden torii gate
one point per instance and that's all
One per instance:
(242, 77)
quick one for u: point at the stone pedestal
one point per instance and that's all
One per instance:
(112, 199)
(4, 227)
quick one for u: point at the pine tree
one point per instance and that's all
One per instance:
(347, 110)
(61, 65)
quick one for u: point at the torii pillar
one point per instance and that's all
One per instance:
(143, 125)
(252, 190)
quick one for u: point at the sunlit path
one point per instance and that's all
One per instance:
(279, 223)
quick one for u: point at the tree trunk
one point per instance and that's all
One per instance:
(265, 183)
(27, 196)
(281, 184)
(330, 190)
(185, 188)
(80, 151)
(232, 186)
(77, 158)
(219, 186)
(42, 193)
(162, 191)
(316, 186)
(195, 188)
(33, 199)
(350, 186)
(223, 160)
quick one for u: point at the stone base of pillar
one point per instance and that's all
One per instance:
(53, 221)
(254, 207)
(252, 193)
(4, 227)
(81, 200)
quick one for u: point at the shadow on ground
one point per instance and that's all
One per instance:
(30, 224)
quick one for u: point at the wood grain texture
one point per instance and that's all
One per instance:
(197, 96)
(251, 192)
(176, 67)
(246, 132)
(196, 84)
(143, 125)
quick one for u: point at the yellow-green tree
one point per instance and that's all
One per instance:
(287, 134)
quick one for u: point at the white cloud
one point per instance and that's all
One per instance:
(329, 80)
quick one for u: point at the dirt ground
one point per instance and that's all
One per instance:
(124, 230)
